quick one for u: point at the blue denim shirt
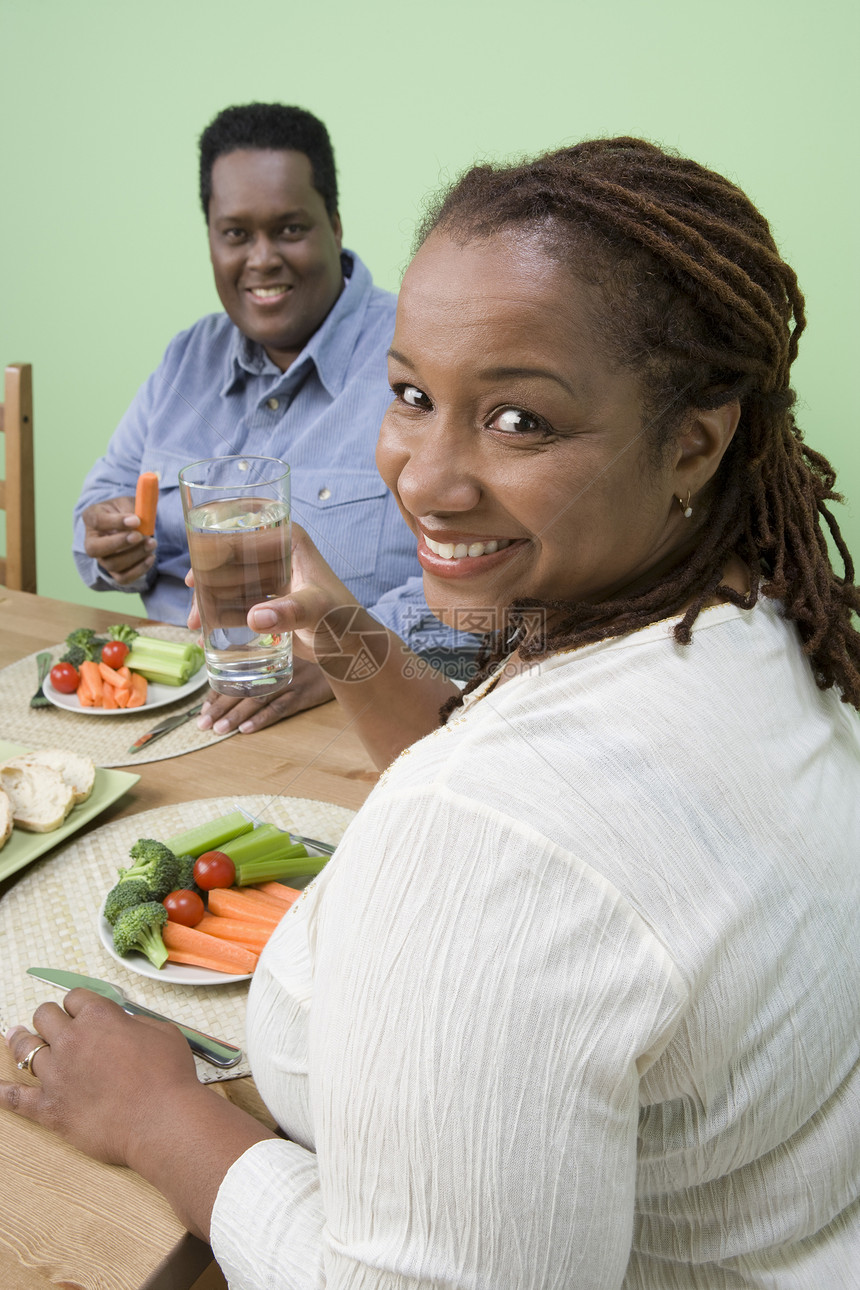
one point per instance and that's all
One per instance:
(216, 393)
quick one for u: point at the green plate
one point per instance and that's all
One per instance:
(23, 847)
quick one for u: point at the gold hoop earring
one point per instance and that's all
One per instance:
(686, 507)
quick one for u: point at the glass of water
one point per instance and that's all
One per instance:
(237, 519)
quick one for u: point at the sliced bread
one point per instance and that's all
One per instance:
(6, 820)
(40, 797)
(78, 771)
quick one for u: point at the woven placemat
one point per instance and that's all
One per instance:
(105, 739)
(50, 917)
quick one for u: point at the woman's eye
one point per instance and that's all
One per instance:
(293, 230)
(515, 421)
(415, 398)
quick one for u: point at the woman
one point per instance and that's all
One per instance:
(576, 1003)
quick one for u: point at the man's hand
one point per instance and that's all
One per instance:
(112, 538)
(224, 712)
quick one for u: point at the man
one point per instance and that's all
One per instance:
(295, 368)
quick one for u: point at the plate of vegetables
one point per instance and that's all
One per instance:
(106, 676)
(198, 908)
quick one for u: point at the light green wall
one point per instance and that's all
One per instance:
(102, 244)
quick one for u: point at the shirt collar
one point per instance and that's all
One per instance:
(329, 350)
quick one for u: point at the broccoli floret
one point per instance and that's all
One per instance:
(84, 638)
(122, 632)
(123, 896)
(139, 928)
(155, 864)
(81, 636)
(76, 655)
(185, 875)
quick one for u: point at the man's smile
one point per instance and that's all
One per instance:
(269, 293)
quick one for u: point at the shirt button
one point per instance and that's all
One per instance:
(273, 404)
(324, 494)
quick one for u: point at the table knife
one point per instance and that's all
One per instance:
(211, 1050)
(165, 727)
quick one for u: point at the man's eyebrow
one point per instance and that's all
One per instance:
(299, 213)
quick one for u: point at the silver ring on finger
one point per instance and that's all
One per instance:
(27, 1063)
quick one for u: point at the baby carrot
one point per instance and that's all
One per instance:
(187, 945)
(146, 501)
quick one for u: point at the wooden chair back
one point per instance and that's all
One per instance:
(17, 490)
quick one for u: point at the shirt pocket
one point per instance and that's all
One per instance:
(343, 512)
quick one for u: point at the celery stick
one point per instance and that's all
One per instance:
(161, 678)
(164, 649)
(276, 870)
(167, 662)
(209, 837)
(264, 841)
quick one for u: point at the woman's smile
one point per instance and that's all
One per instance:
(463, 556)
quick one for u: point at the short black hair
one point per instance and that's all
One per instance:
(269, 126)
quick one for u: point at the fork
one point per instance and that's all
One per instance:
(43, 663)
(314, 844)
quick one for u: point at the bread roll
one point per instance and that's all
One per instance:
(6, 820)
(78, 771)
(40, 797)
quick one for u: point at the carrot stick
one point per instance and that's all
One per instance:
(252, 935)
(138, 690)
(92, 678)
(187, 945)
(114, 678)
(261, 898)
(279, 890)
(84, 693)
(234, 904)
(122, 696)
(146, 501)
(108, 696)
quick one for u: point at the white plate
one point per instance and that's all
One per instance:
(171, 973)
(157, 696)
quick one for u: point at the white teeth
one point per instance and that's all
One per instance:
(459, 550)
(265, 292)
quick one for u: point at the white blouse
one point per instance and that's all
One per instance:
(576, 1005)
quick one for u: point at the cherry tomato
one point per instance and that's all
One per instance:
(113, 654)
(65, 678)
(184, 907)
(214, 869)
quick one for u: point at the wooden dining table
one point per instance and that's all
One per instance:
(66, 1220)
